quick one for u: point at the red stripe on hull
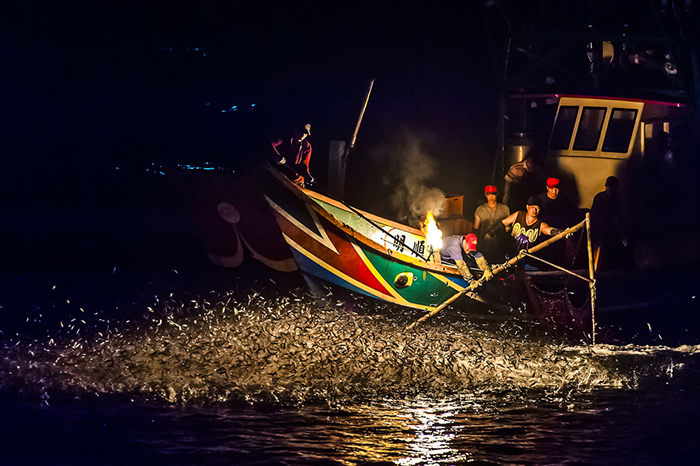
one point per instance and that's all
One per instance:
(346, 260)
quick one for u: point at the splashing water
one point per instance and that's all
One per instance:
(292, 350)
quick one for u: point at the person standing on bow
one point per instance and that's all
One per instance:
(526, 225)
(295, 154)
(456, 247)
(485, 217)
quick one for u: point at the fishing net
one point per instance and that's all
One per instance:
(554, 307)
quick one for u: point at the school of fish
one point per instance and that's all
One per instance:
(289, 349)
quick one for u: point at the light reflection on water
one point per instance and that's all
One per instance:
(641, 428)
(425, 429)
(433, 437)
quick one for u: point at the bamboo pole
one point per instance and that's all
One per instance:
(591, 275)
(474, 285)
(362, 114)
(453, 298)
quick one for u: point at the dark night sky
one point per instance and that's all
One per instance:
(86, 87)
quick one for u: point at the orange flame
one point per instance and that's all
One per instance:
(433, 235)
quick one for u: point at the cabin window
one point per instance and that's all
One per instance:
(564, 127)
(590, 128)
(620, 129)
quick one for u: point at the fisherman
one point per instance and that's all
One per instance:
(526, 225)
(451, 253)
(607, 226)
(296, 155)
(485, 217)
(556, 208)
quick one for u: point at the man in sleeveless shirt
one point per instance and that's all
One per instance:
(526, 226)
(485, 217)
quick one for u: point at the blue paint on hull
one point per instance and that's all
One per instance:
(310, 267)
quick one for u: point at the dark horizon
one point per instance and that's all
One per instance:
(97, 86)
(97, 97)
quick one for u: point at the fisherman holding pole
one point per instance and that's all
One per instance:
(468, 290)
(526, 226)
(451, 253)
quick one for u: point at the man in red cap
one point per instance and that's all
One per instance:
(486, 216)
(556, 208)
(451, 253)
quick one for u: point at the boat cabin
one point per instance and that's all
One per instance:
(586, 139)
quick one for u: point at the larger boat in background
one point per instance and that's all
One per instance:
(608, 89)
(601, 89)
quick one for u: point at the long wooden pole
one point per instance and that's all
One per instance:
(474, 285)
(351, 146)
(591, 275)
(362, 114)
(453, 298)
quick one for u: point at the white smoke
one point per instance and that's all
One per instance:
(411, 171)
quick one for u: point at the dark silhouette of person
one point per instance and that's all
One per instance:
(608, 227)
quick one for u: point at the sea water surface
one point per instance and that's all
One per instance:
(189, 367)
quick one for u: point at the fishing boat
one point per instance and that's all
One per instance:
(262, 215)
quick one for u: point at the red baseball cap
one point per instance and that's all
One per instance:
(490, 189)
(552, 182)
(470, 239)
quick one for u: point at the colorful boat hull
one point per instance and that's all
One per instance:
(326, 248)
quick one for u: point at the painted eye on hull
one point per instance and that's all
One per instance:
(233, 218)
(404, 280)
